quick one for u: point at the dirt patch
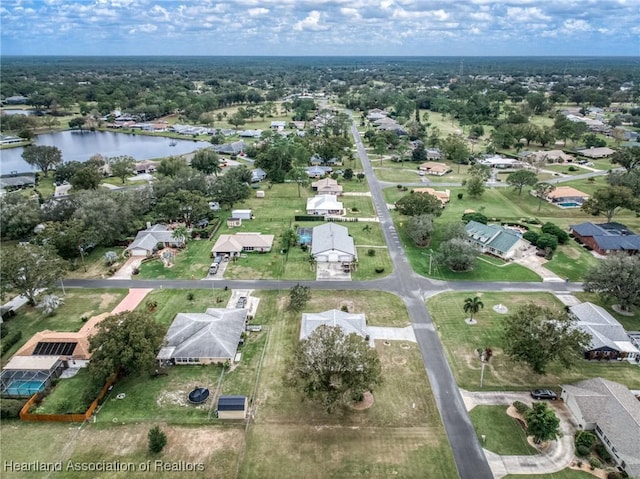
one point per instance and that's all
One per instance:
(619, 310)
(399, 360)
(366, 403)
(107, 300)
(586, 468)
(178, 398)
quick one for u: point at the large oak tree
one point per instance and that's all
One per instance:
(334, 368)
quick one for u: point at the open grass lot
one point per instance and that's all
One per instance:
(571, 261)
(565, 169)
(94, 265)
(218, 449)
(174, 301)
(461, 340)
(192, 261)
(503, 434)
(77, 303)
(296, 438)
(407, 172)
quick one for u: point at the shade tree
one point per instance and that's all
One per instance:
(617, 278)
(42, 156)
(521, 178)
(416, 203)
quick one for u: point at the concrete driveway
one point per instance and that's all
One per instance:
(557, 456)
(331, 272)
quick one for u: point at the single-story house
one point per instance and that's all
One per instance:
(68, 346)
(331, 242)
(551, 156)
(9, 139)
(433, 154)
(146, 166)
(605, 238)
(502, 163)
(609, 340)
(203, 338)
(601, 152)
(232, 407)
(433, 168)
(443, 196)
(24, 376)
(257, 175)
(323, 205)
(232, 245)
(250, 134)
(278, 125)
(349, 322)
(612, 412)
(315, 160)
(567, 194)
(146, 241)
(327, 186)
(15, 100)
(242, 214)
(233, 148)
(16, 182)
(318, 171)
(497, 240)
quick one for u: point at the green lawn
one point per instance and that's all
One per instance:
(78, 303)
(401, 434)
(70, 395)
(191, 262)
(461, 340)
(503, 434)
(565, 169)
(174, 301)
(571, 261)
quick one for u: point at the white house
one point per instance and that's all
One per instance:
(349, 322)
(323, 205)
(331, 242)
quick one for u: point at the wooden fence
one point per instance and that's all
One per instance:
(25, 415)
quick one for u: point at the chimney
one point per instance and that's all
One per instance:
(148, 225)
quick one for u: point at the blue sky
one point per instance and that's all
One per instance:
(320, 27)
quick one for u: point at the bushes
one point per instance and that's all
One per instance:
(10, 408)
(594, 463)
(157, 440)
(556, 231)
(10, 341)
(371, 252)
(582, 451)
(603, 453)
(379, 269)
(478, 217)
(585, 438)
(546, 240)
(521, 407)
(531, 236)
(615, 475)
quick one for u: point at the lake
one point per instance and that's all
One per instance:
(80, 146)
(17, 111)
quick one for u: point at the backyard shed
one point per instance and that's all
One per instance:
(241, 214)
(232, 407)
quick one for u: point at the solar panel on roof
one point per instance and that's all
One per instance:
(54, 349)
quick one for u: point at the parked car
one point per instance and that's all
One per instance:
(543, 394)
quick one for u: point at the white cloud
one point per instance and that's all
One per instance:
(258, 11)
(576, 25)
(312, 22)
(146, 28)
(528, 14)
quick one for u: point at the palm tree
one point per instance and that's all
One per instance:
(472, 306)
(180, 234)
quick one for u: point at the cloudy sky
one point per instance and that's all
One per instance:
(320, 27)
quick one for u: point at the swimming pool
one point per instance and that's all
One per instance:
(569, 204)
(21, 387)
(304, 235)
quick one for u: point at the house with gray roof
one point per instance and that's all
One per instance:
(331, 242)
(257, 175)
(146, 241)
(609, 340)
(605, 238)
(203, 338)
(612, 412)
(349, 322)
(497, 240)
(232, 148)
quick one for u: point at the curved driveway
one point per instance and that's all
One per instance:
(413, 289)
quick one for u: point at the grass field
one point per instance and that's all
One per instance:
(193, 261)
(461, 340)
(174, 301)
(503, 434)
(70, 395)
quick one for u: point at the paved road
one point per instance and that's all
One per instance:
(413, 289)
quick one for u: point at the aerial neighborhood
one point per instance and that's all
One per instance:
(318, 268)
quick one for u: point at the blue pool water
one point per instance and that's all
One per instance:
(21, 387)
(304, 238)
(570, 204)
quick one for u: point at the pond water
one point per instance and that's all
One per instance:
(80, 146)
